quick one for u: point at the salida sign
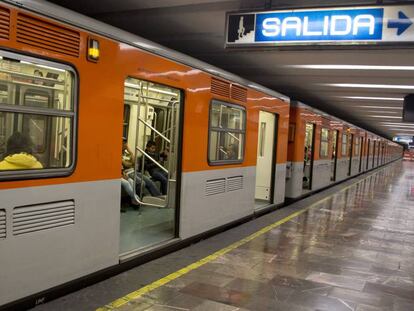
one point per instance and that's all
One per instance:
(336, 25)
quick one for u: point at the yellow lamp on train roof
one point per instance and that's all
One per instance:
(93, 50)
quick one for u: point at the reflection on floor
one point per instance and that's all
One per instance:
(353, 251)
(146, 226)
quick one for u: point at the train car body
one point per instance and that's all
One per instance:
(134, 148)
(323, 150)
(77, 88)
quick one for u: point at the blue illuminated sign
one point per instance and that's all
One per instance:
(334, 26)
(320, 25)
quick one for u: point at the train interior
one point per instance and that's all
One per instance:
(265, 159)
(308, 156)
(34, 90)
(150, 130)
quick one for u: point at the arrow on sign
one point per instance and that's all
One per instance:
(402, 23)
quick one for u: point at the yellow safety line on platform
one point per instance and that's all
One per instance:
(175, 275)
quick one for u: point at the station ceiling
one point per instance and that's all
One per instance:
(363, 85)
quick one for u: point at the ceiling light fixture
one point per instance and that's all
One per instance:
(352, 67)
(400, 126)
(369, 86)
(373, 98)
(390, 117)
(398, 123)
(376, 111)
(380, 107)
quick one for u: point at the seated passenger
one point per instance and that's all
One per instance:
(156, 172)
(127, 184)
(232, 152)
(38, 73)
(128, 162)
(18, 154)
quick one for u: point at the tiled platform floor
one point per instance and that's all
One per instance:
(354, 251)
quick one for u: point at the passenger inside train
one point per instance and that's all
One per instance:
(22, 88)
(18, 154)
(152, 164)
(142, 181)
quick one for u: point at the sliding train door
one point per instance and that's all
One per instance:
(308, 156)
(334, 155)
(150, 157)
(265, 166)
(361, 153)
(373, 154)
(350, 152)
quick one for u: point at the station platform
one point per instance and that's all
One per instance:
(350, 247)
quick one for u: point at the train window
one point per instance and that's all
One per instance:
(356, 150)
(324, 143)
(37, 115)
(227, 132)
(125, 127)
(344, 144)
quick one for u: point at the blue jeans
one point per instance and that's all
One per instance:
(127, 186)
(162, 177)
(149, 184)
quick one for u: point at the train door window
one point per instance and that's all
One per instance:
(361, 153)
(373, 153)
(350, 153)
(334, 154)
(324, 143)
(344, 145)
(356, 146)
(368, 153)
(150, 158)
(226, 134)
(378, 153)
(308, 156)
(265, 158)
(37, 116)
(125, 126)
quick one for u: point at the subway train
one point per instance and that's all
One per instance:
(114, 150)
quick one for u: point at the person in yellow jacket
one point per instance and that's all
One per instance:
(18, 154)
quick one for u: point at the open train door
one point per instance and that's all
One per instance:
(265, 167)
(309, 151)
(152, 121)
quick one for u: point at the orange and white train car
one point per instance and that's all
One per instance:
(323, 150)
(74, 87)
